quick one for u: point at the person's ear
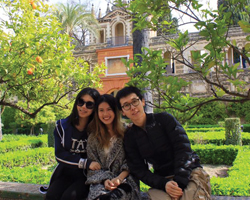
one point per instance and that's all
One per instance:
(143, 102)
(123, 113)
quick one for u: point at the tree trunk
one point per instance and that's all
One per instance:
(1, 133)
(141, 39)
(32, 130)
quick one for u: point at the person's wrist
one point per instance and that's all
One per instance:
(120, 178)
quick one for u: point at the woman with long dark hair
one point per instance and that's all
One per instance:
(68, 179)
(105, 146)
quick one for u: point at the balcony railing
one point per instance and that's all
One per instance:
(117, 41)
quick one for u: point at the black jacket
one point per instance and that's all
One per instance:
(165, 145)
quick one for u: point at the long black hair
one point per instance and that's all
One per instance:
(74, 117)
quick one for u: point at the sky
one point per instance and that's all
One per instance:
(97, 3)
(103, 5)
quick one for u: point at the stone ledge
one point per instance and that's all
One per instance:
(20, 191)
(23, 191)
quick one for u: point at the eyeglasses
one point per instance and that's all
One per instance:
(89, 104)
(134, 102)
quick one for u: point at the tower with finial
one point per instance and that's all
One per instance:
(108, 9)
(100, 14)
(93, 10)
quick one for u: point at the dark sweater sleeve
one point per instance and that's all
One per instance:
(181, 146)
(138, 167)
(63, 155)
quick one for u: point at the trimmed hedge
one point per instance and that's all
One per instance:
(238, 182)
(38, 156)
(204, 129)
(246, 128)
(29, 174)
(14, 137)
(203, 126)
(233, 131)
(217, 138)
(22, 144)
(212, 154)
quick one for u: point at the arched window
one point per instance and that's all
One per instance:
(119, 34)
(102, 36)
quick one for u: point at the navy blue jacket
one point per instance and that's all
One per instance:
(62, 134)
(165, 145)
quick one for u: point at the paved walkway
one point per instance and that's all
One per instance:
(229, 198)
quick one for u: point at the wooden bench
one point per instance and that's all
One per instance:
(20, 191)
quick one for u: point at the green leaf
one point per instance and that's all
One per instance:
(245, 26)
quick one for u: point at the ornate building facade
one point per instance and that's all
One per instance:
(116, 43)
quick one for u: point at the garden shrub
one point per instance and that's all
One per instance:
(246, 128)
(212, 129)
(233, 131)
(217, 138)
(221, 124)
(238, 182)
(212, 154)
(50, 131)
(8, 121)
(240, 110)
(23, 143)
(13, 137)
(211, 114)
(202, 126)
(28, 174)
(38, 156)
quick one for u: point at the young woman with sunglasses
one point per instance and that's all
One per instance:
(105, 146)
(68, 179)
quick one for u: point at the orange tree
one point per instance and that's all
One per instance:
(37, 66)
(213, 28)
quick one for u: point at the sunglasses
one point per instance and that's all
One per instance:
(89, 104)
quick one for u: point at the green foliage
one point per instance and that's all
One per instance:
(50, 131)
(221, 124)
(23, 143)
(238, 182)
(233, 131)
(28, 174)
(22, 160)
(240, 110)
(36, 166)
(210, 67)
(202, 126)
(37, 156)
(76, 21)
(204, 129)
(212, 113)
(37, 65)
(246, 128)
(22, 124)
(234, 9)
(212, 154)
(7, 118)
(214, 137)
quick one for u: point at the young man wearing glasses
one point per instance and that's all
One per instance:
(160, 140)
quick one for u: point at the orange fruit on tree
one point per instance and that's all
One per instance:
(34, 6)
(31, 2)
(30, 71)
(39, 59)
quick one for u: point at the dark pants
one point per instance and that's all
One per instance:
(68, 188)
